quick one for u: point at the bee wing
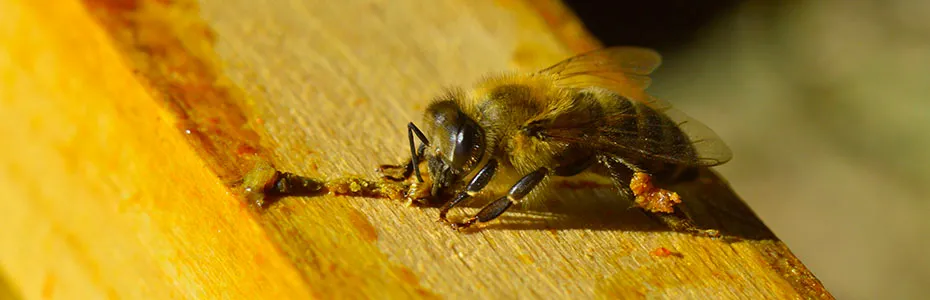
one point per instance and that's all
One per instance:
(614, 135)
(625, 71)
(702, 148)
(709, 147)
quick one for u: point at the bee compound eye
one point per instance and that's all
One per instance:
(468, 143)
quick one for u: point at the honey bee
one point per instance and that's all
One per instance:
(589, 112)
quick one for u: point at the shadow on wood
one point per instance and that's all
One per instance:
(582, 204)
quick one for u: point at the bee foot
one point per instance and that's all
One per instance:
(463, 225)
(713, 233)
(390, 172)
(442, 219)
(418, 193)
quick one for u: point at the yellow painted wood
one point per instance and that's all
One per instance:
(102, 196)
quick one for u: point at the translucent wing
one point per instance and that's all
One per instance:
(678, 139)
(625, 71)
(710, 150)
(697, 144)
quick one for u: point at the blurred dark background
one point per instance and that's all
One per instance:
(825, 105)
(666, 25)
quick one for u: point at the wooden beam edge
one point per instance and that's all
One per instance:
(104, 195)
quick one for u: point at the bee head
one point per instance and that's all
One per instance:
(457, 143)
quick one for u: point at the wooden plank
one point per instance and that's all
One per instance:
(103, 196)
(323, 89)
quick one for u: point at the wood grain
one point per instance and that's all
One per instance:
(126, 192)
(103, 196)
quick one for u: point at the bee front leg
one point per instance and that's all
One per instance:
(389, 171)
(396, 172)
(499, 206)
(476, 184)
(402, 171)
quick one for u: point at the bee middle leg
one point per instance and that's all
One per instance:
(516, 193)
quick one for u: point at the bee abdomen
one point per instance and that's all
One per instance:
(636, 126)
(656, 131)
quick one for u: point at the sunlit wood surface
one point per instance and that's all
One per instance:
(126, 122)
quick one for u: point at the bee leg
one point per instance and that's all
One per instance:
(627, 164)
(476, 184)
(618, 176)
(516, 193)
(390, 172)
(387, 171)
(676, 220)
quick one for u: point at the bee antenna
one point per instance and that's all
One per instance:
(414, 154)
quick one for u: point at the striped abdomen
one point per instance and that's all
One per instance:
(646, 137)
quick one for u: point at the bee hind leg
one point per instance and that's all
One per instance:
(516, 193)
(675, 220)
